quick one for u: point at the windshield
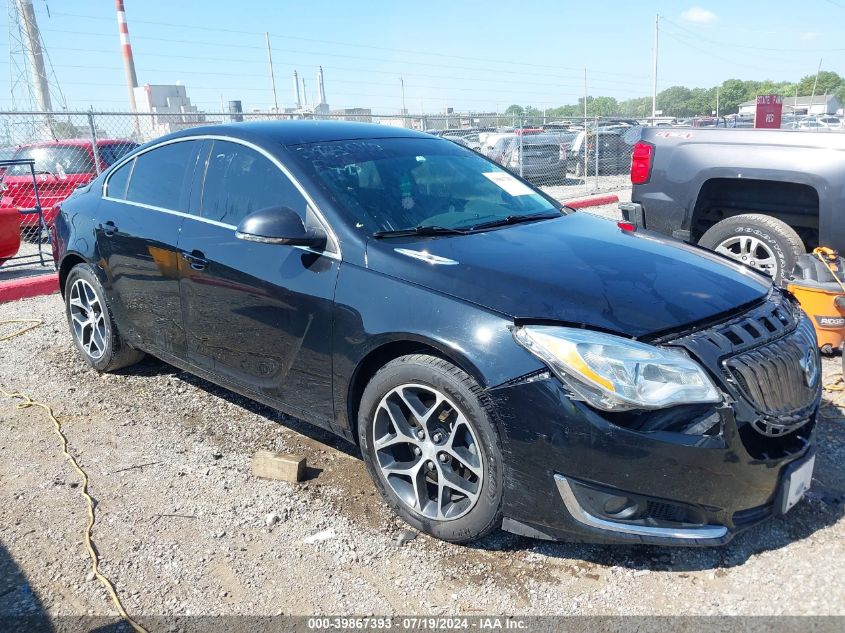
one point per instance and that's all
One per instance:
(400, 184)
(57, 160)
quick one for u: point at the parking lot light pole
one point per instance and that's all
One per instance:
(654, 74)
(272, 74)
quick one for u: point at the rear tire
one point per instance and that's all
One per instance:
(765, 243)
(438, 465)
(92, 325)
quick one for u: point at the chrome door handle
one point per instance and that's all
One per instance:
(108, 228)
(195, 259)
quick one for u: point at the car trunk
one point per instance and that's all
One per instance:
(19, 191)
(540, 154)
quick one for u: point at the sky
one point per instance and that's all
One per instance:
(467, 55)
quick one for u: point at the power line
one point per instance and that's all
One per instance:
(684, 41)
(545, 93)
(722, 44)
(322, 54)
(486, 60)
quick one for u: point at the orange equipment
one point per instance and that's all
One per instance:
(818, 281)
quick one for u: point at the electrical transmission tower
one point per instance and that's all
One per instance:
(33, 81)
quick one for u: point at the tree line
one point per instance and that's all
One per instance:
(680, 101)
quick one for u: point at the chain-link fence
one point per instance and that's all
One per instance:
(569, 158)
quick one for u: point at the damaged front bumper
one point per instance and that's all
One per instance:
(571, 474)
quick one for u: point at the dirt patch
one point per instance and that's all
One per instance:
(182, 524)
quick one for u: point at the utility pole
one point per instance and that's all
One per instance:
(404, 109)
(717, 104)
(654, 74)
(128, 60)
(272, 75)
(402, 84)
(815, 83)
(585, 98)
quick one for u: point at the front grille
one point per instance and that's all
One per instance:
(760, 357)
(780, 380)
(665, 512)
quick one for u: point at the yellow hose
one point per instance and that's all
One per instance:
(26, 402)
(33, 323)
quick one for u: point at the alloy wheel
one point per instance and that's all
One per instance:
(428, 452)
(88, 318)
(751, 251)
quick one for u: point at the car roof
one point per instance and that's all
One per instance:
(303, 131)
(497, 136)
(540, 139)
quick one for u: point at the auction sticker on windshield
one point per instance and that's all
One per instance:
(510, 184)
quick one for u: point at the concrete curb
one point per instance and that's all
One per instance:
(595, 201)
(27, 287)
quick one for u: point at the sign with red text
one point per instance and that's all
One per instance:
(769, 111)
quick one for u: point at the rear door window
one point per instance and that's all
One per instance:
(116, 186)
(161, 176)
(240, 180)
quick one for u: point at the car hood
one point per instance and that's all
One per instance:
(576, 269)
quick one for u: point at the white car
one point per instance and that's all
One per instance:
(830, 121)
(494, 145)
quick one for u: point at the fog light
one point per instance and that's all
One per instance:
(620, 507)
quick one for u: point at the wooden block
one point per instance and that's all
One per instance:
(278, 466)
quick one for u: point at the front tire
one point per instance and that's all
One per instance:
(429, 442)
(92, 325)
(760, 241)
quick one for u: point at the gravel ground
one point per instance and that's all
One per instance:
(28, 262)
(183, 528)
(577, 188)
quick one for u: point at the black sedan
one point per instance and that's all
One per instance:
(499, 360)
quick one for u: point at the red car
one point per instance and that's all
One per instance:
(60, 167)
(10, 233)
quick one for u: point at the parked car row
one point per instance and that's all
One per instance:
(788, 122)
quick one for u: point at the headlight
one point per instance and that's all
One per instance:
(617, 374)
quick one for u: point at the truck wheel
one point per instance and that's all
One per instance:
(760, 241)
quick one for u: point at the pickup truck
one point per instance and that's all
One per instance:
(762, 197)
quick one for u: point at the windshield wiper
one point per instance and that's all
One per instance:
(515, 219)
(421, 231)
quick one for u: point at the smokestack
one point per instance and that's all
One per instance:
(35, 56)
(296, 90)
(128, 61)
(321, 86)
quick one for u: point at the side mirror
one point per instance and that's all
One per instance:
(279, 225)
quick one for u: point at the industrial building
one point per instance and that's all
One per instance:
(812, 105)
(169, 105)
